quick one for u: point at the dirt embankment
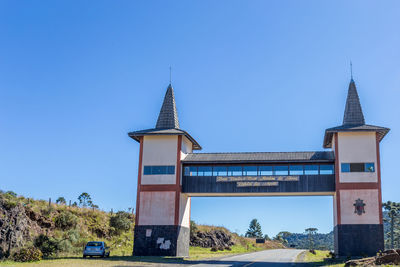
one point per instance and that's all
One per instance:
(18, 225)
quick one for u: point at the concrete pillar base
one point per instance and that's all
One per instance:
(161, 240)
(358, 239)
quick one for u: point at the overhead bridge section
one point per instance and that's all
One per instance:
(266, 173)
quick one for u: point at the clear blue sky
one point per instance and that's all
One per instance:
(76, 76)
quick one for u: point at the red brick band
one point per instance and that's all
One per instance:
(350, 186)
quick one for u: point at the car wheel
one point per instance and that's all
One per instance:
(84, 256)
(103, 255)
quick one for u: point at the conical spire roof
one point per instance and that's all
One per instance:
(353, 119)
(167, 123)
(353, 114)
(168, 117)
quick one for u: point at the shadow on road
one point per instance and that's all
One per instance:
(212, 262)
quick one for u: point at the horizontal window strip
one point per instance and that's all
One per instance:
(259, 170)
(159, 170)
(358, 167)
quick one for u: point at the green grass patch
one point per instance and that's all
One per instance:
(321, 258)
(198, 253)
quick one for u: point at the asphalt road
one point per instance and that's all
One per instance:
(274, 257)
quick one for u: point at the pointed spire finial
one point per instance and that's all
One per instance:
(351, 70)
(170, 75)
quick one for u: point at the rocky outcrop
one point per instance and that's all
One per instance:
(16, 226)
(209, 239)
(361, 262)
(388, 257)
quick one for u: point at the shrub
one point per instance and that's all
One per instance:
(28, 254)
(66, 220)
(47, 211)
(214, 249)
(47, 246)
(120, 222)
(61, 200)
(193, 228)
(11, 194)
(3, 254)
(65, 246)
(9, 204)
(72, 235)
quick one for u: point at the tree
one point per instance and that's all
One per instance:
(47, 245)
(85, 200)
(120, 222)
(311, 232)
(66, 220)
(61, 200)
(393, 209)
(282, 237)
(254, 229)
(193, 228)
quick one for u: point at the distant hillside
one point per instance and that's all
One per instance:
(326, 241)
(321, 241)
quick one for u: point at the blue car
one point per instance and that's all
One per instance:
(96, 248)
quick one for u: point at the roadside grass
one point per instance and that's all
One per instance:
(321, 258)
(196, 254)
(199, 253)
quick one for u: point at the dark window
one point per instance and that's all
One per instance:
(158, 170)
(311, 169)
(204, 171)
(220, 171)
(296, 170)
(191, 171)
(250, 170)
(265, 170)
(326, 169)
(357, 167)
(94, 244)
(235, 171)
(281, 170)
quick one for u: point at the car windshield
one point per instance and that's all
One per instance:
(94, 244)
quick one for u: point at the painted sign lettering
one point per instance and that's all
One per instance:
(247, 181)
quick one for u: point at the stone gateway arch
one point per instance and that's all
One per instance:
(170, 173)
